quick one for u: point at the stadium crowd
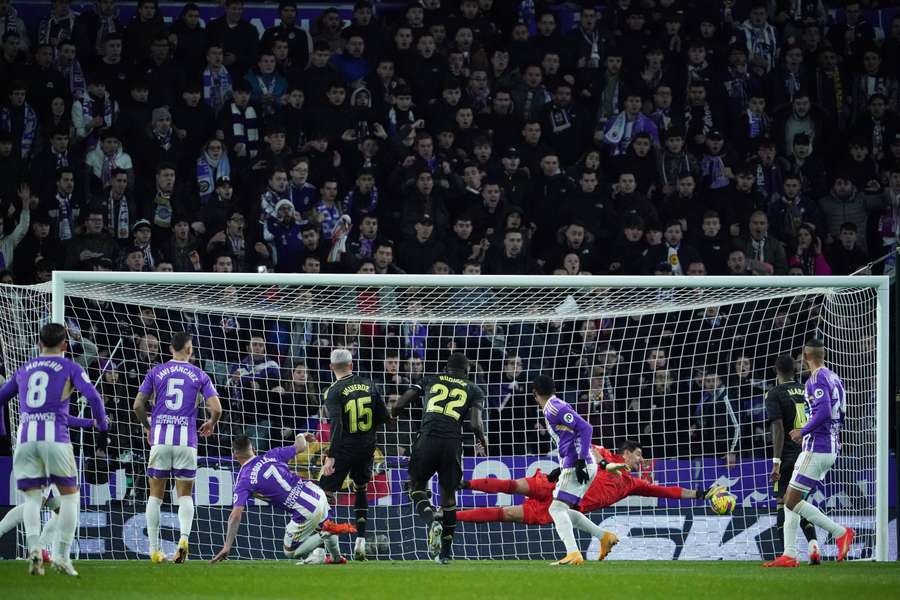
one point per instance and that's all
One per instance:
(475, 136)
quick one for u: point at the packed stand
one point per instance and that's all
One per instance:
(478, 137)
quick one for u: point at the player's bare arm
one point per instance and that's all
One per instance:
(478, 431)
(214, 413)
(140, 411)
(777, 427)
(404, 401)
(234, 525)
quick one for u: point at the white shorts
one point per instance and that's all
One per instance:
(295, 533)
(40, 463)
(810, 469)
(166, 461)
(567, 487)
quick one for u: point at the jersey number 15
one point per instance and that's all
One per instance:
(359, 414)
(439, 394)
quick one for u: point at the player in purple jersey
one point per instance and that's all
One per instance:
(15, 516)
(172, 433)
(269, 478)
(826, 405)
(43, 452)
(572, 435)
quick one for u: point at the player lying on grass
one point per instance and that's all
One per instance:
(606, 489)
(269, 478)
(16, 515)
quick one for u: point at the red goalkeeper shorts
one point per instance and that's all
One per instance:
(536, 508)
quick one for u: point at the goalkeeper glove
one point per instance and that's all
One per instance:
(581, 473)
(553, 476)
(707, 493)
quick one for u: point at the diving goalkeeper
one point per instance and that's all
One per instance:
(606, 489)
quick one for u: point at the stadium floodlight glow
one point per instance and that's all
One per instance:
(639, 357)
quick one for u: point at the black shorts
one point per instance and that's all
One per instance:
(432, 455)
(787, 470)
(356, 462)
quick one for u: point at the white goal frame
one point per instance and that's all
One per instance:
(880, 285)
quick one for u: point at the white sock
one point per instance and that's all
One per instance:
(559, 512)
(817, 517)
(582, 522)
(331, 544)
(49, 534)
(11, 519)
(307, 546)
(791, 526)
(152, 513)
(31, 518)
(68, 525)
(185, 515)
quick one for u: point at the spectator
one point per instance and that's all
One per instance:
(808, 253)
(238, 39)
(844, 254)
(19, 119)
(420, 252)
(284, 234)
(765, 254)
(117, 206)
(106, 158)
(93, 111)
(845, 203)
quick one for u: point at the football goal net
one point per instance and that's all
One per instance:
(679, 365)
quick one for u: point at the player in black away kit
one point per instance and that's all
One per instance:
(785, 410)
(355, 409)
(448, 398)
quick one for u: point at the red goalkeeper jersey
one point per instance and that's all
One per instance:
(608, 488)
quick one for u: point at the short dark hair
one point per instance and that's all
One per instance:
(53, 335)
(814, 342)
(241, 444)
(544, 385)
(629, 446)
(62, 171)
(848, 226)
(180, 340)
(458, 362)
(784, 365)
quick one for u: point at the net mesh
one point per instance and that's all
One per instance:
(682, 371)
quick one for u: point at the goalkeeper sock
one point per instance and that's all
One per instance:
(362, 512)
(559, 512)
(185, 515)
(817, 517)
(152, 513)
(31, 518)
(68, 525)
(11, 519)
(423, 505)
(582, 522)
(481, 515)
(492, 485)
(791, 525)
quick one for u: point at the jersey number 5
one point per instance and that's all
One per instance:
(440, 393)
(359, 414)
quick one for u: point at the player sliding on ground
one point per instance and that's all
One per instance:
(572, 437)
(438, 449)
(355, 409)
(44, 453)
(269, 478)
(606, 489)
(826, 405)
(172, 432)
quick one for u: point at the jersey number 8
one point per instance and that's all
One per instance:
(440, 393)
(359, 414)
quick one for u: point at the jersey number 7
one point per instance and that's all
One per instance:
(440, 393)
(359, 414)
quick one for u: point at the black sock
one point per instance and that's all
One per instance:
(422, 505)
(809, 530)
(362, 512)
(449, 528)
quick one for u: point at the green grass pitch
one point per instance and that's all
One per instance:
(636, 580)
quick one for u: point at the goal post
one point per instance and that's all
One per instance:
(641, 357)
